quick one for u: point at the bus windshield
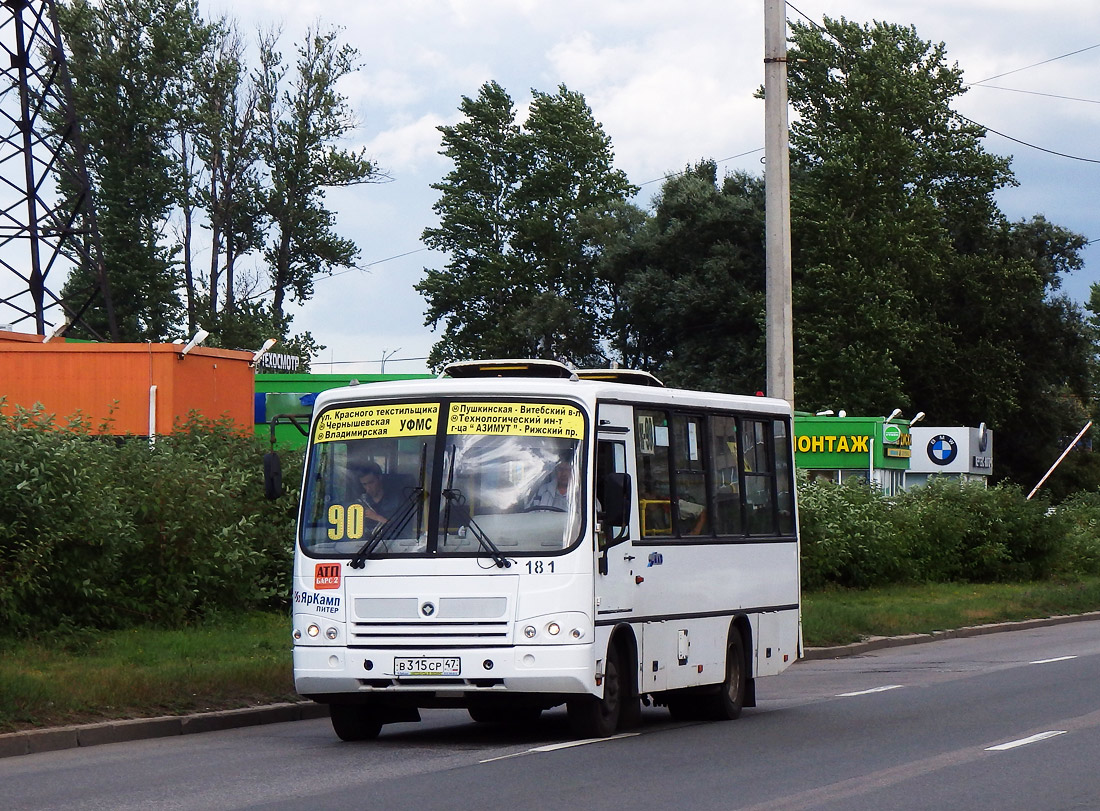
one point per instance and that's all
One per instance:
(383, 484)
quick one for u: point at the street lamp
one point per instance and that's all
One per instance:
(893, 414)
(916, 418)
(386, 357)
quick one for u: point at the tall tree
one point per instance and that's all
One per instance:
(911, 288)
(519, 217)
(476, 227)
(302, 118)
(691, 283)
(130, 62)
(222, 134)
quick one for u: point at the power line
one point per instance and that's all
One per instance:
(723, 160)
(1036, 64)
(1029, 145)
(825, 31)
(1035, 93)
(376, 360)
(372, 264)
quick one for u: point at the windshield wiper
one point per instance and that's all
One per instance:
(455, 497)
(389, 530)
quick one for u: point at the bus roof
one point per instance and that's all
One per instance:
(588, 391)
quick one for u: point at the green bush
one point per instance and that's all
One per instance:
(106, 533)
(847, 536)
(957, 531)
(946, 531)
(1079, 553)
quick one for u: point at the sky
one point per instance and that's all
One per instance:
(671, 84)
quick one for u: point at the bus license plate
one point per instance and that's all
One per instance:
(409, 666)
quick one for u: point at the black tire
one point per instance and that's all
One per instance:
(592, 717)
(354, 722)
(630, 715)
(726, 704)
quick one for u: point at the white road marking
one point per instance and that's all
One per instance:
(552, 747)
(1048, 661)
(1042, 736)
(872, 690)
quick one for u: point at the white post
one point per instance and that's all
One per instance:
(777, 204)
(1069, 447)
(152, 415)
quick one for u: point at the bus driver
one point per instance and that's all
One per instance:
(379, 504)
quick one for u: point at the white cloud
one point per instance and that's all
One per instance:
(408, 146)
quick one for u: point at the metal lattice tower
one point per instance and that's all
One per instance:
(42, 234)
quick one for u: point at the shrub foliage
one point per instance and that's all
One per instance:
(946, 531)
(107, 533)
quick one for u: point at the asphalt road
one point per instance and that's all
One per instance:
(1005, 721)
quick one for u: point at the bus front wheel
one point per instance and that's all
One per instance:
(592, 717)
(354, 722)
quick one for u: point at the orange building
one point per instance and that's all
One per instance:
(139, 389)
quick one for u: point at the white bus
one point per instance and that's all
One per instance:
(514, 535)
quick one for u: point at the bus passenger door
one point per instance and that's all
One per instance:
(615, 585)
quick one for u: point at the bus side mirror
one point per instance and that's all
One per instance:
(273, 475)
(616, 499)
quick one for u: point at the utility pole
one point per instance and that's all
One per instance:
(777, 203)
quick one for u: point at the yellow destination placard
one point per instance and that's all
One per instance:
(373, 422)
(516, 419)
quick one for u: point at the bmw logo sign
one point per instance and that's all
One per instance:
(427, 609)
(942, 449)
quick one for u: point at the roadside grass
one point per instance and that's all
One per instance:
(841, 616)
(83, 677)
(240, 661)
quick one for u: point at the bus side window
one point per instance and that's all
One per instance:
(726, 476)
(689, 449)
(612, 492)
(784, 485)
(759, 477)
(654, 474)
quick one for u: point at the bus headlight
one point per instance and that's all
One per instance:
(313, 630)
(331, 633)
(563, 628)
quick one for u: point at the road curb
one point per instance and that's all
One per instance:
(879, 642)
(33, 741)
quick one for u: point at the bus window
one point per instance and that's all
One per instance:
(759, 499)
(523, 492)
(691, 485)
(610, 459)
(784, 495)
(355, 486)
(654, 487)
(726, 480)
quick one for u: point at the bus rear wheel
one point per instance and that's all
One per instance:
(354, 722)
(592, 717)
(726, 703)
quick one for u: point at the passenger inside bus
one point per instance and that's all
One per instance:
(555, 493)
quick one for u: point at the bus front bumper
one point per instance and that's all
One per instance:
(555, 669)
